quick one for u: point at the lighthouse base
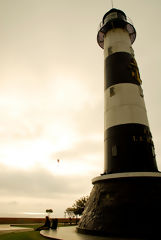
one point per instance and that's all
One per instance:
(124, 205)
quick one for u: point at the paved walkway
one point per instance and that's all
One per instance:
(69, 233)
(4, 228)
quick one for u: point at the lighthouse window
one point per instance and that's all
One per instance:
(114, 151)
(109, 50)
(141, 138)
(153, 151)
(112, 92)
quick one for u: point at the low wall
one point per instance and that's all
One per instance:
(33, 220)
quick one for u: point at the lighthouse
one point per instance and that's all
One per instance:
(128, 141)
(126, 197)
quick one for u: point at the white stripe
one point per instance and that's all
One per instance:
(124, 105)
(126, 175)
(117, 40)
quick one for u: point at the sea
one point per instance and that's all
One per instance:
(23, 215)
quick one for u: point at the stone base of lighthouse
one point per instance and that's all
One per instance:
(125, 204)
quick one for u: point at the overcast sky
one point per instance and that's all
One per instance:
(51, 97)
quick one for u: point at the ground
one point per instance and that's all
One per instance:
(22, 236)
(32, 235)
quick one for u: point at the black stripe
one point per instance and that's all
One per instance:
(129, 148)
(121, 67)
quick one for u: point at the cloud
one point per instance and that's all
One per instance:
(40, 183)
(86, 151)
(51, 97)
(38, 189)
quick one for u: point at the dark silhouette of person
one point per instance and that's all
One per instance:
(70, 221)
(46, 226)
(54, 223)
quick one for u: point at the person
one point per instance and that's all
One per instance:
(70, 221)
(46, 226)
(54, 223)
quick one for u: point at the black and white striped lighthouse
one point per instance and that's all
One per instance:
(126, 198)
(128, 140)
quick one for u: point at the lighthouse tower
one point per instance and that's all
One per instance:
(126, 197)
(127, 137)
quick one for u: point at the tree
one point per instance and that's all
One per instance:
(79, 205)
(70, 212)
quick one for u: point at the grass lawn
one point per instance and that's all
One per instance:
(22, 236)
(33, 235)
(34, 226)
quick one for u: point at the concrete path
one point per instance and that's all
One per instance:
(69, 233)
